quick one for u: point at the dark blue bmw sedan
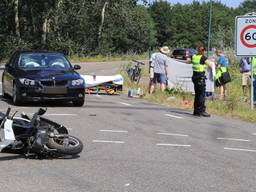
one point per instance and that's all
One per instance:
(40, 76)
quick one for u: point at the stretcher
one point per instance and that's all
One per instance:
(109, 84)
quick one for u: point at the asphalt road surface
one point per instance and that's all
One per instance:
(134, 146)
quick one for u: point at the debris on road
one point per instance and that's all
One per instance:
(136, 93)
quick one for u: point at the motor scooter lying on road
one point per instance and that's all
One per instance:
(36, 136)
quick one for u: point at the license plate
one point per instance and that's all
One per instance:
(55, 90)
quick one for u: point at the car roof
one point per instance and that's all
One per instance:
(184, 49)
(38, 51)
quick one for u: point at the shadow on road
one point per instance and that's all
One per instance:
(18, 155)
(126, 107)
(181, 112)
(11, 157)
(39, 104)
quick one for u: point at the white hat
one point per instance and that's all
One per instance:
(165, 50)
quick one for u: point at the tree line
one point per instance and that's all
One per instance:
(91, 27)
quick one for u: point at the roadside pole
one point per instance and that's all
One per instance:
(252, 88)
(149, 43)
(252, 77)
(246, 41)
(209, 29)
(149, 34)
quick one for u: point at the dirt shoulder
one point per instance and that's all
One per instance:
(102, 68)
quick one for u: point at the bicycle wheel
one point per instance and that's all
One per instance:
(137, 76)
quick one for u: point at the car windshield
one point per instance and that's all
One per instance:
(34, 61)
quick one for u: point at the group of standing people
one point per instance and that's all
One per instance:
(246, 65)
(199, 64)
(158, 74)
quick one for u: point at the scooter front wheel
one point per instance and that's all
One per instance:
(66, 144)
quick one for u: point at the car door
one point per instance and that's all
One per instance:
(9, 74)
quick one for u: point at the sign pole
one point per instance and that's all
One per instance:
(252, 96)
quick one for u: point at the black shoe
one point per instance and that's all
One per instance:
(205, 114)
(197, 114)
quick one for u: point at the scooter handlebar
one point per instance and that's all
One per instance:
(138, 62)
(6, 117)
(8, 112)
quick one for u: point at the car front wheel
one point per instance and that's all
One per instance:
(4, 94)
(78, 103)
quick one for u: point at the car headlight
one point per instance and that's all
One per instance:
(77, 82)
(28, 82)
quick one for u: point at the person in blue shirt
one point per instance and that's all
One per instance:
(221, 66)
(245, 70)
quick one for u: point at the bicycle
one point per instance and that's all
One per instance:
(134, 72)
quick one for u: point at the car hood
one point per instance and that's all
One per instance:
(46, 74)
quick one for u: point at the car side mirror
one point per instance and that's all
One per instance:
(77, 67)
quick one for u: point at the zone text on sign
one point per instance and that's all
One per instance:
(250, 20)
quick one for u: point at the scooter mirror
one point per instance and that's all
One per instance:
(41, 111)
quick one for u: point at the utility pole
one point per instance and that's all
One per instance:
(149, 35)
(209, 29)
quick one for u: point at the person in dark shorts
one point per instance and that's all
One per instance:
(245, 70)
(158, 69)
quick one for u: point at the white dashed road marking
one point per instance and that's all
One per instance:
(127, 104)
(232, 139)
(60, 114)
(104, 141)
(238, 149)
(173, 134)
(174, 116)
(172, 145)
(113, 131)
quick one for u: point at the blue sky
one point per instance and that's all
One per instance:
(230, 3)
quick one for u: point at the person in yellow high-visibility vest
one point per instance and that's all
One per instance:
(253, 64)
(221, 67)
(199, 64)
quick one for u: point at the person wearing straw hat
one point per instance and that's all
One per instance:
(158, 69)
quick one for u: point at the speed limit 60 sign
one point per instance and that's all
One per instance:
(246, 35)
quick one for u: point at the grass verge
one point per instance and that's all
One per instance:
(103, 58)
(234, 106)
